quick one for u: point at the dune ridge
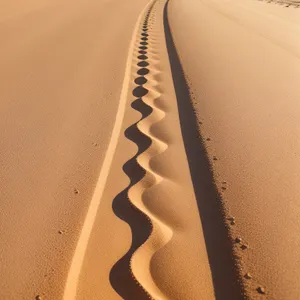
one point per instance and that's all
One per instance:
(249, 127)
(140, 172)
(158, 203)
(78, 257)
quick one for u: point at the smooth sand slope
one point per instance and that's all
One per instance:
(243, 70)
(61, 72)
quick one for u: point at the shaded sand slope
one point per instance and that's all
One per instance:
(61, 71)
(243, 69)
(147, 240)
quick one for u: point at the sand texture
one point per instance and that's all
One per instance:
(149, 149)
(244, 86)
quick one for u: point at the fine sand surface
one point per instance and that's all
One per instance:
(162, 253)
(149, 149)
(61, 72)
(243, 70)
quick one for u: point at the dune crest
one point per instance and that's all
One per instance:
(138, 169)
(155, 179)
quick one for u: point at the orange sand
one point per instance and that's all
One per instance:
(149, 149)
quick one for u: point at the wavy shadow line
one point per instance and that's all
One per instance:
(122, 278)
(131, 276)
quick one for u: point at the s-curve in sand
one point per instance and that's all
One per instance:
(149, 149)
(148, 216)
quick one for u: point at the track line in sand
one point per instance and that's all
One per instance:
(149, 232)
(132, 277)
(78, 257)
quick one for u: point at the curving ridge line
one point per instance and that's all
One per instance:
(161, 234)
(71, 284)
(142, 178)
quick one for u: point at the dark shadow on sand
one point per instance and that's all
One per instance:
(226, 278)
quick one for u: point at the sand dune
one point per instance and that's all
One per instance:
(149, 149)
(158, 204)
(244, 88)
(59, 95)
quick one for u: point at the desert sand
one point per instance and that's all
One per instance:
(149, 149)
